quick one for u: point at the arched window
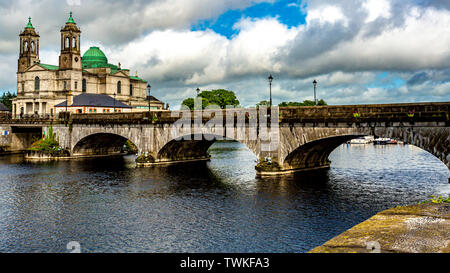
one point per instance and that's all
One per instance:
(26, 46)
(83, 85)
(119, 87)
(67, 43)
(65, 86)
(32, 47)
(37, 83)
(74, 45)
(131, 90)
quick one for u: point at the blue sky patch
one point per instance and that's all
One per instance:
(386, 81)
(288, 13)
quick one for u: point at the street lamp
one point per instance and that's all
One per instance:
(114, 102)
(67, 99)
(315, 84)
(149, 87)
(270, 87)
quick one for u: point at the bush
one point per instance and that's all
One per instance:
(436, 200)
(47, 144)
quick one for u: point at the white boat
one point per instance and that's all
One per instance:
(362, 140)
(381, 141)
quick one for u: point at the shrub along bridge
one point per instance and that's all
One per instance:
(299, 138)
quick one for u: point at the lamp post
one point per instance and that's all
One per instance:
(315, 84)
(149, 87)
(270, 88)
(67, 99)
(114, 102)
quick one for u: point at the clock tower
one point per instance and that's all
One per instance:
(70, 57)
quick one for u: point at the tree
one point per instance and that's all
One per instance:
(263, 103)
(190, 102)
(220, 97)
(304, 103)
(6, 99)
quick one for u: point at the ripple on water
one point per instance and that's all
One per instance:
(108, 205)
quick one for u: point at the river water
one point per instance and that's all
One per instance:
(108, 205)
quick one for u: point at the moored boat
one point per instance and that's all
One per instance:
(381, 141)
(362, 140)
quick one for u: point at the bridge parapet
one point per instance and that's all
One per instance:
(407, 112)
(410, 112)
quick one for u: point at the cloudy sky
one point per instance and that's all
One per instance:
(359, 51)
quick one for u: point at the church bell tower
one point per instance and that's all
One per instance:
(29, 47)
(70, 57)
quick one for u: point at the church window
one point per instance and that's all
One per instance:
(67, 43)
(37, 83)
(131, 90)
(74, 45)
(26, 46)
(83, 85)
(23, 87)
(65, 85)
(119, 87)
(76, 85)
(32, 47)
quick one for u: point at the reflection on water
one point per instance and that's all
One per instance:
(108, 205)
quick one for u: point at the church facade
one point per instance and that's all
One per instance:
(40, 87)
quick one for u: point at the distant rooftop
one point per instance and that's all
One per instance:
(94, 100)
(3, 108)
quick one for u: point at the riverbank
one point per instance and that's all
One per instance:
(423, 228)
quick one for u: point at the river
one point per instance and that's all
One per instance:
(108, 205)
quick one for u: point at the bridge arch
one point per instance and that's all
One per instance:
(190, 147)
(315, 153)
(99, 144)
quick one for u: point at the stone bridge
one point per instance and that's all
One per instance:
(294, 138)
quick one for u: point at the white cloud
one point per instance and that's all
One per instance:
(344, 45)
(376, 9)
(327, 14)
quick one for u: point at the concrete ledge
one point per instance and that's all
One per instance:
(6, 153)
(148, 164)
(290, 171)
(411, 229)
(60, 158)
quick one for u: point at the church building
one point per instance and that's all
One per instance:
(41, 87)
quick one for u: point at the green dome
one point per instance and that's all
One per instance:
(94, 57)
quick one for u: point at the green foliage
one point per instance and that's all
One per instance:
(190, 103)
(436, 200)
(145, 158)
(47, 144)
(356, 114)
(321, 102)
(220, 97)
(263, 103)
(6, 99)
(129, 147)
